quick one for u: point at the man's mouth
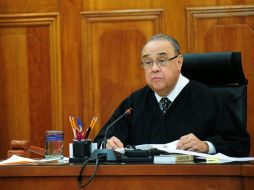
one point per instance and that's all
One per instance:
(156, 78)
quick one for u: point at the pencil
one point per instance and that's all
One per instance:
(73, 127)
(94, 122)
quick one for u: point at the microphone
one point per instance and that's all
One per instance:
(127, 112)
(109, 154)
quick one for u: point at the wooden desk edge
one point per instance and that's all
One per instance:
(126, 170)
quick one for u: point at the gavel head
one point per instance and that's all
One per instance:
(19, 147)
(20, 144)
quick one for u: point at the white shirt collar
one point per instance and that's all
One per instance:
(181, 83)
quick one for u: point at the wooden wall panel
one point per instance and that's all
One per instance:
(28, 6)
(13, 86)
(226, 28)
(111, 45)
(30, 77)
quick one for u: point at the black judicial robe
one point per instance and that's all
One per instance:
(197, 109)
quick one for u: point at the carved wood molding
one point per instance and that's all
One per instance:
(194, 14)
(221, 11)
(133, 14)
(52, 21)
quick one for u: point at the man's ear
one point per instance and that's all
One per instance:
(180, 62)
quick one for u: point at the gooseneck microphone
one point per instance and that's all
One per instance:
(108, 154)
(127, 112)
(101, 154)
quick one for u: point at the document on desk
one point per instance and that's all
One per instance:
(171, 148)
(18, 160)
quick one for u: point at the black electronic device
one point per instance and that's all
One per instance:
(137, 155)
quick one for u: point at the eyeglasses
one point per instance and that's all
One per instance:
(161, 61)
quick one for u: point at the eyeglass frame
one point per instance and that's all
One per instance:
(159, 64)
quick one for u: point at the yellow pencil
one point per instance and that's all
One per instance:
(94, 122)
(73, 127)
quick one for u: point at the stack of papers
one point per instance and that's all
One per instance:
(171, 148)
(17, 160)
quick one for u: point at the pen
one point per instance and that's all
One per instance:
(78, 130)
(92, 124)
(79, 123)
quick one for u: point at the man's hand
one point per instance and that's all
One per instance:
(114, 143)
(192, 143)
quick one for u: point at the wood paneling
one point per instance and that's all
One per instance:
(28, 6)
(30, 77)
(111, 43)
(72, 93)
(225, 28)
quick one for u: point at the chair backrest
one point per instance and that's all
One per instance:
(223, 72)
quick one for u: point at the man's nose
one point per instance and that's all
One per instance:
(155, 66)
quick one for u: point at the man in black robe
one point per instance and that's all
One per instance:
(172, 107)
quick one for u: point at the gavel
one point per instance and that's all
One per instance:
(24, 148)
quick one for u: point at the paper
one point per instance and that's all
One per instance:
(171, 148)
(173, 159)
(171, 145)
(15, 160)
(232, 159)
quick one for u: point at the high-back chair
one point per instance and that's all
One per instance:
(223, 72)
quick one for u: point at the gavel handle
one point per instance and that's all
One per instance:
(36, 150)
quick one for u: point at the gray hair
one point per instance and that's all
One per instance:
(168, 38)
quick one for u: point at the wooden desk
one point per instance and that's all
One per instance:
(196, 176)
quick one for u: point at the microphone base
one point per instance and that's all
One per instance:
(78, 160)
(106, 155)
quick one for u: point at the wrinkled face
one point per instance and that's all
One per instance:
(162, 66)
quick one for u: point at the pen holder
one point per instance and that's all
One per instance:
(82, 149)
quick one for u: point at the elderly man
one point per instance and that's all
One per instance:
(171, 107)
